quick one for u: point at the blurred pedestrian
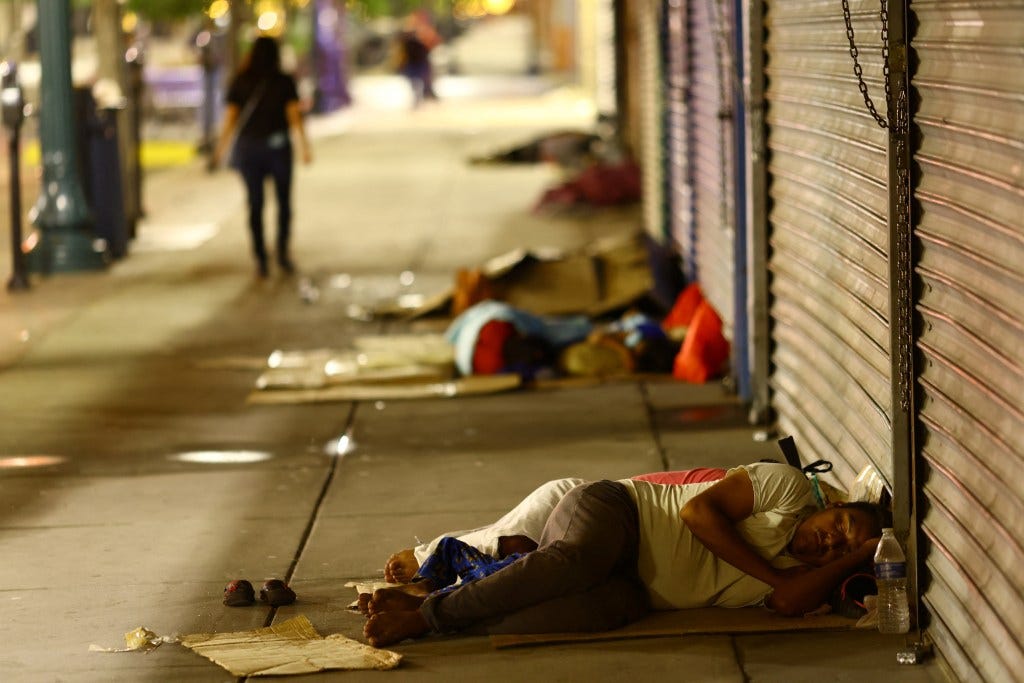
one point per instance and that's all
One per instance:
(261, 116)
(417, 39)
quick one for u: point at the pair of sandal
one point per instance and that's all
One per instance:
(274, 592)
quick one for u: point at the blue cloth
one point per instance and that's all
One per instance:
(557, 331)
(637, 327)
(453, 560)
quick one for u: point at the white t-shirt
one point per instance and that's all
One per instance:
(526, 519)
(680, 572)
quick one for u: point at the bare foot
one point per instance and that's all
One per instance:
(363, 603)
(401, 567)
(422, 588)
(394, 600)
(387, 628)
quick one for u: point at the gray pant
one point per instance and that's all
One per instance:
(582, 577)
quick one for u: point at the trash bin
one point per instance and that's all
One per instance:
(99, 159)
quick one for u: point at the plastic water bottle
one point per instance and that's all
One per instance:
(891, 576)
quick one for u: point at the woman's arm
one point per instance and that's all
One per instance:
(797, 594)
(226, 131)
(712, 516)
(295, 122)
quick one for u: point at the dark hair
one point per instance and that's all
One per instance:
(264, 58)
(880, 515)
(657, 354)
(526, 355)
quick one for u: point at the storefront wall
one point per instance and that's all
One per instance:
(969, 200)
(825, 226)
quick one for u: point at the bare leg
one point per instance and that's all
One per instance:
(387, 628)
(401, 567)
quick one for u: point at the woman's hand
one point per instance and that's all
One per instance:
(799, 590)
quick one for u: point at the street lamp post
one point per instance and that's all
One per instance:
(66, 240)
(12, 107)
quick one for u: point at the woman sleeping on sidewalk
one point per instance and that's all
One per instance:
(610, 552)
(519, 530)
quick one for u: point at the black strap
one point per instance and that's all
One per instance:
(250, 106)
(817, 467)
(788, 447)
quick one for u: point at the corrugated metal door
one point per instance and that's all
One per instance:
(709, 100)
(651, 152)
(828, 235)
(680, 197)
(970, 198)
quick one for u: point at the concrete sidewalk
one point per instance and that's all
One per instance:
(106, 379)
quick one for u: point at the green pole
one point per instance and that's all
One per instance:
(66, 239)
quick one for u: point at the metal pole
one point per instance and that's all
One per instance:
(66, 242)
(19, 274)
(12, 112)
(902, 296)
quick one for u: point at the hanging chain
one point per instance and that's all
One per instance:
(897, 121)
(859, 71)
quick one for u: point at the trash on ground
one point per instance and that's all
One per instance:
(137, 640)
(289, 648)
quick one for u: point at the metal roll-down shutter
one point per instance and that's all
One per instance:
(828, 235)
(677, 132)
(651, 141)
(709, 104)
(970, 236)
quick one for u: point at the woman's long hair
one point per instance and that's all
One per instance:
(264, 59)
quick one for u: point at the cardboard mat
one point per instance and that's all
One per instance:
(291, 647)
(473, 385)
(704, 621)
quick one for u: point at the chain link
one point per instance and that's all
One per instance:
(897, 121)
(858, 71)
(902, 253)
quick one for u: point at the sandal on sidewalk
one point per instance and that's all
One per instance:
(275, 593)
(239, 593)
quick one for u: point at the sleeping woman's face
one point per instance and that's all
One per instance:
(829, 534)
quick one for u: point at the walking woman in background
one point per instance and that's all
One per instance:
(262, 107)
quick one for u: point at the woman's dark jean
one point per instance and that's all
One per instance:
(582, 577)
(256, 159)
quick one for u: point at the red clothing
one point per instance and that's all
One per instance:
(697, 475)
(488, 357)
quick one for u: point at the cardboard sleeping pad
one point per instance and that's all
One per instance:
(291, 647)
(703, 621)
